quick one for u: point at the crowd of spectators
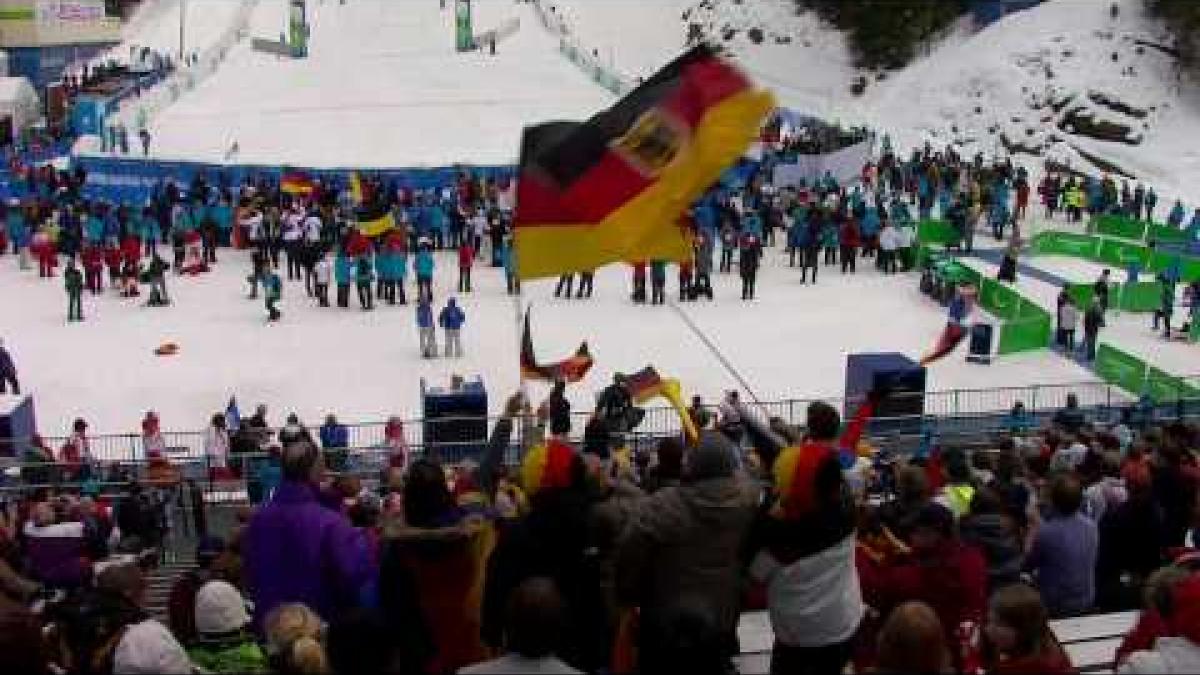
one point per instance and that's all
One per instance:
(611, 560)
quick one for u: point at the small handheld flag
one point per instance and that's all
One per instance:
(570, 370)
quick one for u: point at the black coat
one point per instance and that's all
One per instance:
(560, 414)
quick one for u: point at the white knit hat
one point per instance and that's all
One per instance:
(220, 609)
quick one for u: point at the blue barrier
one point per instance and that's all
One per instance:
(120, 179)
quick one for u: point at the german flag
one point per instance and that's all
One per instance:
(297, 183)
(373, 217)
(644, 384)
(611, 189)
(374, 220)
(570, 370)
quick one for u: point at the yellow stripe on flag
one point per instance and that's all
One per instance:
(356, 191)
(646, 228)
(374, 228)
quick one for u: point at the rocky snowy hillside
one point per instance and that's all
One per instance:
(1066, 81)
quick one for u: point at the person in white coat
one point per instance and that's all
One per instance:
(889, 243)
(322, 272)
(216, 444)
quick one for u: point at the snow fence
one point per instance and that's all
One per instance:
(1139, 378)
(1118, 253)
(587, 60)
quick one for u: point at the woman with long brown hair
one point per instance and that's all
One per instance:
(1017, 635)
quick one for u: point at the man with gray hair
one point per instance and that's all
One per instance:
(296, 550)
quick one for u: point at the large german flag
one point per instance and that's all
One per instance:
(611, 189)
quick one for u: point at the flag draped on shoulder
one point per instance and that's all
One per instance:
(612, 188)
(372, 215)
(570, 370)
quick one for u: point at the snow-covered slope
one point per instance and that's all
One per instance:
(383, 86)
(1043, 83)
(1065, 81)
(156, 25)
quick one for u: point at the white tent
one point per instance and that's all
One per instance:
(19, 100)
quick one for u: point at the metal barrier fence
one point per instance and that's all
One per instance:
(139, 112)
(953, 409)
(586, 60)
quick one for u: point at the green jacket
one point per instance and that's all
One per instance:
(239, 657)
(74, 281)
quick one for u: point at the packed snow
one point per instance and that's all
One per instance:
(1017, 87)
(789, 343)
(382, 87)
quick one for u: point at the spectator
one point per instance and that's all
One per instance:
(913, 640)
(912, 496)
(552, 541)
(216, 445)
(1070, 419)
(224, 644)
(145, 646)
(533, 629)
(293, 641)
(181, 602)
(361, 642)
(990, 529)
(298, 551)
(688, 638)
(334, 434)
(1093, 321)
(942, 572)
(683, 542)
(1062, 556)
(1180, 608)
(293, 432)
(8, 372)
(335, 439)
(1151, 625)
(668, 471)
(805, 547)
(436, 546)
(559, 410)
(1017, 636)
(1132, 538)
(958, 491)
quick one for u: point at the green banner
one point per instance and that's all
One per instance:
(1066, 243)
(1000, 300)
(1024, 335)
(1124, 370)
(1119, 254)
(1166, 233)
(1144, 296)
(936, 232)
(1166, 388)
(1122, 227)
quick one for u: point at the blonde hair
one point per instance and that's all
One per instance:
(294, 639)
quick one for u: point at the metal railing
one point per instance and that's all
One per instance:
(958, 409)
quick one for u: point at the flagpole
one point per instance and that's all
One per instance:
(519, 326)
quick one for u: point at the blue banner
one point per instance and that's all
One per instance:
(132, 180)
